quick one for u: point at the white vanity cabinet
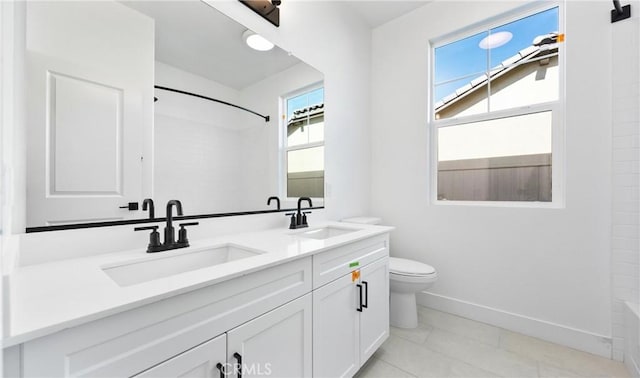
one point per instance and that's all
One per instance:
(310, 317)
(350, 313)
(374, 319)
(207, 360)
(169, 331)
(277, 344)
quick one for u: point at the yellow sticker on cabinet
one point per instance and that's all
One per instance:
(355, 275)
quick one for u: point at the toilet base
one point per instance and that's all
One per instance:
(403, 310)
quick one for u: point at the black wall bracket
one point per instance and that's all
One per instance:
(620, 13)
(268, 9)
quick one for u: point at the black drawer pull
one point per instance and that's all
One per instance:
(359, 309)
(221, 368)
(238, 357)
(366, 294)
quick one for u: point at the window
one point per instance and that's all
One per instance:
(304, 142)
(496, 102)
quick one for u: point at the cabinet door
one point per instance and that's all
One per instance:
(198, 362)
(276, 344)
(335, 329)
(374, 319)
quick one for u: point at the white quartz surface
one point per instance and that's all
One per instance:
(50, 297)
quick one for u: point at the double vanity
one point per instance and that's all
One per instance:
(281, 303)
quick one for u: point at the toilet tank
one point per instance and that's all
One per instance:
(363, 220)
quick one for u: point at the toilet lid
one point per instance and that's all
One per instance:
(408, 267)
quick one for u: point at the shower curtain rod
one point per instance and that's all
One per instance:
(266, 118)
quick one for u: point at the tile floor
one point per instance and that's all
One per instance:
(446, 345)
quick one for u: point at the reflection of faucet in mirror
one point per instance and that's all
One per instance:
(274, 198)
(148, 202)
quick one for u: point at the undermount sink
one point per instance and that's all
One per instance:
(325, 232)
(151, 268)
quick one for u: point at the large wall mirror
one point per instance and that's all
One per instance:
(112, 118)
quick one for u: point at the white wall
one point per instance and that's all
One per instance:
(14, 155)
(541, 271)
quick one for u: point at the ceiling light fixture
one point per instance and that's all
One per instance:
(256, 41)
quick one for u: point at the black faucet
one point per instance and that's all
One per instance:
(274, 198)
(148, 202)
(299, 219)
(169, 232)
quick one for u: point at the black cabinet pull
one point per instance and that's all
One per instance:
(360, 298)
(238, 357)
(366, 294)
(221, 368)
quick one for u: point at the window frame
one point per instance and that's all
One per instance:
(284, 148)
(557, 109)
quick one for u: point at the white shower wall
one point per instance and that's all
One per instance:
(625, 242)
(196, 144)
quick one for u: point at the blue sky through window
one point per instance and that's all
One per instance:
(314, 97)
(459, 62)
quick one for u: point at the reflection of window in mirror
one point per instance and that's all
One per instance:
(303, 113)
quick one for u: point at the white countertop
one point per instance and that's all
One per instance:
(50, 297)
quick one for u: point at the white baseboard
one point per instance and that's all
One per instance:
(571, 337)
(632, 338)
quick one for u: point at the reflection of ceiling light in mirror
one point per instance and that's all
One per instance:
(495, 40)
(256, 41)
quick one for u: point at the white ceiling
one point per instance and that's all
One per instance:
(376, 13)
(195, 37)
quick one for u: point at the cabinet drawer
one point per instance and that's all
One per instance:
(335, 263)
(130, 342)
(198, 362)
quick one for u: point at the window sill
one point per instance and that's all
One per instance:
(503, 204)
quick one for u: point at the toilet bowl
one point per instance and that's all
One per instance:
(406, 278)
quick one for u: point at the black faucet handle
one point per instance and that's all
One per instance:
(182, 233)
(154, 237)
(294, 223)
(304, 217)
(146, 228)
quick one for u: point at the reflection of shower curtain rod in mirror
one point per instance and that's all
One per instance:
(266, 118)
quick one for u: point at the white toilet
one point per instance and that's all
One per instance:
(406, 278)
